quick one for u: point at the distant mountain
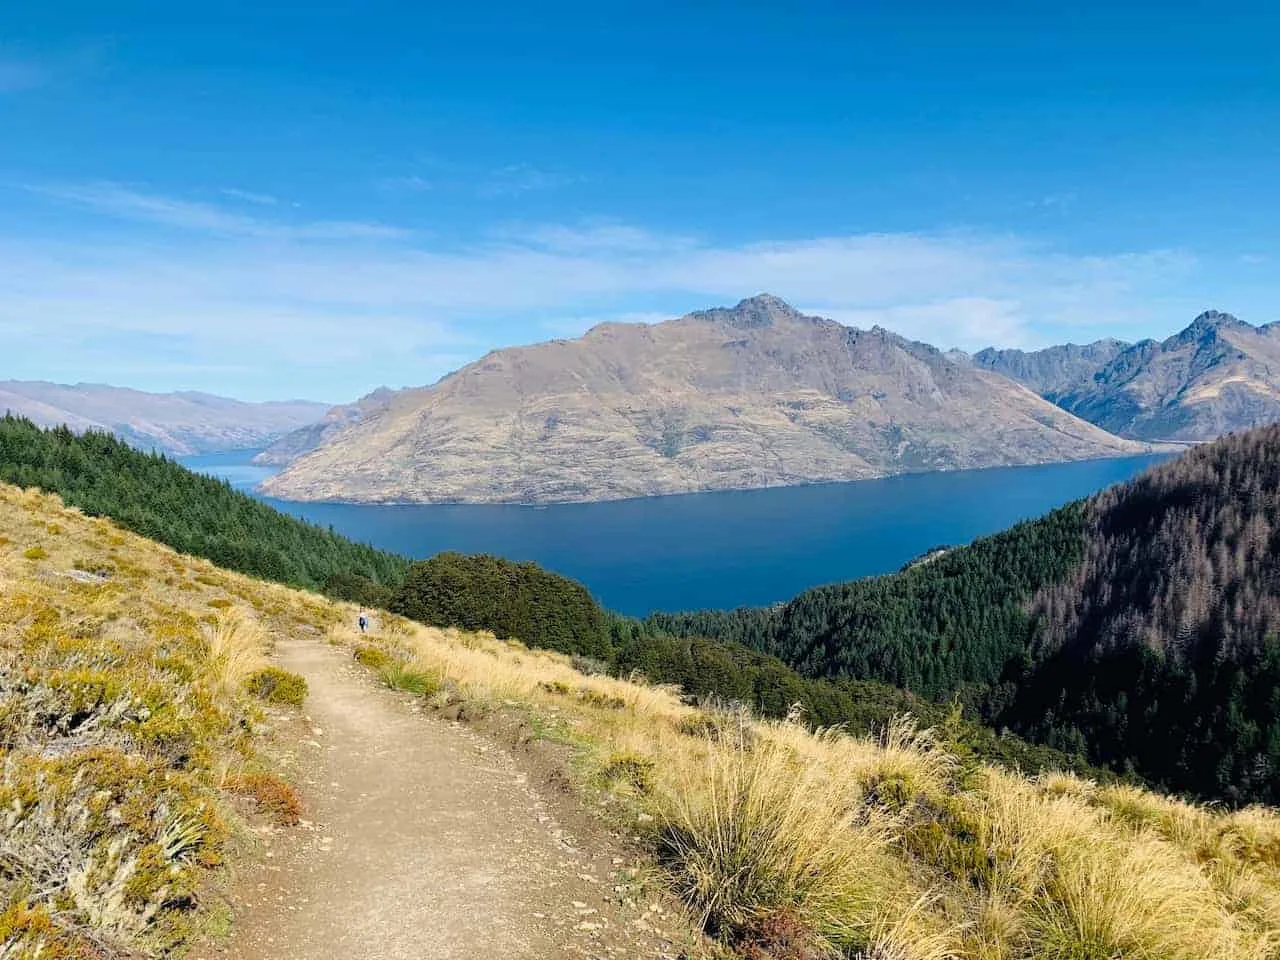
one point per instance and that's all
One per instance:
(179, 424)
(1055, 370)
(1216, 376)
(307, 438)
(757, 395)
(1139, 628)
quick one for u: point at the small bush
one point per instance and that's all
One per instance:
(605, 701)
(35, 553)
(630, 768)
(557, 687)
(29, 931)
(375, 658)
(514, 600)
(356, 588)
(220, 603)
(589, 666)
(275, 685)
(274, 798)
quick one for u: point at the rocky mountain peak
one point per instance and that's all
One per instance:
(762, 310)
(1211, 321)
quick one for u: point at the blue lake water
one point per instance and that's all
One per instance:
(717, 549)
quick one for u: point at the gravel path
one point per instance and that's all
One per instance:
(423, 840)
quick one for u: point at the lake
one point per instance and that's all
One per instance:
(717, 549)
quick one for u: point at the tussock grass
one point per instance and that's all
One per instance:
(403, 676)
(751, 834)
(237, 648)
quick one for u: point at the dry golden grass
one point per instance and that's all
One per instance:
(122, 706)
(787, 843)
(792, 843)
(237, 647)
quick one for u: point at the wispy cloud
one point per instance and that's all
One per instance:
(520, 178)
(377, 304)
(596, 237)
(116, 200)
(412, 182)
(498, 183)
(248, 196)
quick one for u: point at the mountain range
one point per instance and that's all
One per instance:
(308, 437)
(179, 424)
(757, 395)
(1218, 375)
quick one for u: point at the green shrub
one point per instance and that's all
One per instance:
(275, 685)
(513, 600)
(35, 553)
(355, 588)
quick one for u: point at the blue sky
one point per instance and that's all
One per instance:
(271, 202)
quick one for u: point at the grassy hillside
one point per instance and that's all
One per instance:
(1138, 627)
(128, 755)
(127, 698)
(157, 498)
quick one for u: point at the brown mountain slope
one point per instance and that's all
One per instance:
(754, 396)
(302, 441)
(175, 423)
(1052, 371)
(1218, 375)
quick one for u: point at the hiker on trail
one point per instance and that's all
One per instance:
(363, 621)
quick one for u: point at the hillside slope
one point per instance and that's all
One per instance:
(1052, 371)
(1162, 648)
(754, 396)
(196, 514)
(1139, 626)
(303, 440)
(130, 744)
(1218, 375)
(175, 423)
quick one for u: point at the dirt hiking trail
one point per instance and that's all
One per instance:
(422, 840)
